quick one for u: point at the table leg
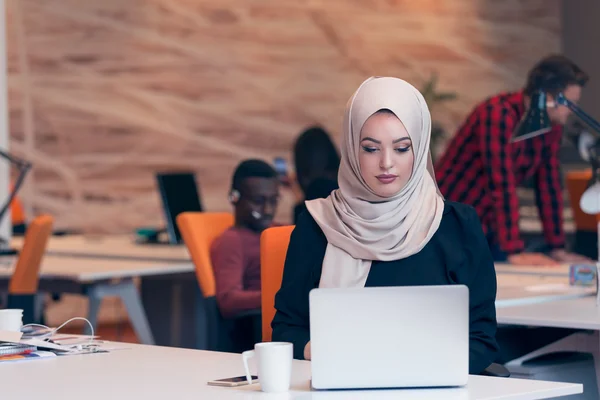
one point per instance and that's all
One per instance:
(94, 300)
(137, 315)
(128, 293)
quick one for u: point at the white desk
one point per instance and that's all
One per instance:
(124, 247)
(520, 290)
(110, 246)
(551, 270)
(153, 373)
(95, 261)
(98, 278)
(571, 314)
(91, 269)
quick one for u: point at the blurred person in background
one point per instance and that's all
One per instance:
(483, 168)
(316, 162)
(235, 254)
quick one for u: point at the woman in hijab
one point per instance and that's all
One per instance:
(387, 224)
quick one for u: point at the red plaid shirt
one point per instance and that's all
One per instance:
(482, 168)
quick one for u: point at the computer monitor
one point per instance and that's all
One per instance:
(179, 193)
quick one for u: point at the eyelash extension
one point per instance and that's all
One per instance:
(369, 149)
(403, 149)
(373, 149)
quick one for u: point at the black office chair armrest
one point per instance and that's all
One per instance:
(497, 370)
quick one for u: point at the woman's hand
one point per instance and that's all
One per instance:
(307, 351)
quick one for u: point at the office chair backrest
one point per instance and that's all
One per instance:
(199, 230)
(273, 249)
(17, 211)
(25, 278)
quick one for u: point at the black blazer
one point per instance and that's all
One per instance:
(458, 253)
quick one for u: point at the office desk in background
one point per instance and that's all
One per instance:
(579, 313)
(521, 289)
(124, 247)
(550, 270)
(111, 246)
(98, 278)
(153, 373)
(170, 297)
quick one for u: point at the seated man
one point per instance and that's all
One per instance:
(235, 254)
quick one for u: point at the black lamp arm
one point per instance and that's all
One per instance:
(585, 117)
(24, 167)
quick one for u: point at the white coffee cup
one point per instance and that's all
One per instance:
(274, 361)
(11, 320)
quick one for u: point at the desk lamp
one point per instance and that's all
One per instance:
(536, 122)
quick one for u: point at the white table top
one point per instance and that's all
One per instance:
(550, 270)
(110, 246)
(573, 314)
(513, 289)
(151, 372)
(517, 289)
(124, 247)
(84, 269)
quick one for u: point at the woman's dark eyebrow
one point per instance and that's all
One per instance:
(378, 142)
(371, 139)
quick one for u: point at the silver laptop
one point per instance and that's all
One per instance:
(389, 337)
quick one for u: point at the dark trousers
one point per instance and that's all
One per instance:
(245, 332)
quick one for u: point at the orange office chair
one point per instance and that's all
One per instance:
(24, 282)
(273, 249)
(17, 211)
(17, 214)
(199, 230)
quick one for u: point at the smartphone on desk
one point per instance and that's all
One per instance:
(233, 382)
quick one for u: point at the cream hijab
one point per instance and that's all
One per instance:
(361, 226)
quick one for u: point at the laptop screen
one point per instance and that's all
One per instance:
(179, 193)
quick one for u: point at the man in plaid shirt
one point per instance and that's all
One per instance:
(482, 168)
